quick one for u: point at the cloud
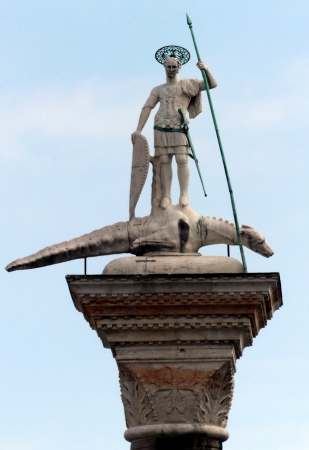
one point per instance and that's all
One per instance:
(91, 111)
(84, 120)
(20, 444)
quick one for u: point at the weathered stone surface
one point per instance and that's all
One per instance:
(174, 96)
(139, 171)
(160, 393)
(176, 430)
(172, 264)
(175, 229)
(170, 299)
(176, 339)
(175, 321)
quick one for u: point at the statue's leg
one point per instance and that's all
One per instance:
(183, 177)
(166, 179)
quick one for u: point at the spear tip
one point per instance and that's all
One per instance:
(189, 20)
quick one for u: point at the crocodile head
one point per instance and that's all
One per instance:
(255, 241)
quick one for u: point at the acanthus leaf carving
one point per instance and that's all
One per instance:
(170, 394)
(216, 398)
(138, 408)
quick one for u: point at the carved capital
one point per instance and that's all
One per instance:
(168, 394)
(176, 338)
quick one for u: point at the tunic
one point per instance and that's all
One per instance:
(185, 95)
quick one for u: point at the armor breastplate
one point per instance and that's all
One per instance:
(171, 99)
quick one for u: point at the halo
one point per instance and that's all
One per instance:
(172, 51)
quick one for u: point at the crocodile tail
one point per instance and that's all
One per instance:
(108, 240)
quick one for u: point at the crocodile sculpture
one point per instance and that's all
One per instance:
(174, 229)
(178, 229)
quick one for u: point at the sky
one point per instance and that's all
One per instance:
(74, 76)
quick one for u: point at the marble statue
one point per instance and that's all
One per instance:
(175, 321)
(175, 94)
(173, 229)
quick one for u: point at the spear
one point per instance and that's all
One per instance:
(244, 264)
(192, 155)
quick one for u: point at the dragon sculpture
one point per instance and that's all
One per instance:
(174, 229)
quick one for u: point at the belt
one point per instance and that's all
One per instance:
(169, 130)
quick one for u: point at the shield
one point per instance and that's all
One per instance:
(140, 166)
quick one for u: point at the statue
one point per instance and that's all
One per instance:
(169, 137)
(168, 229)
(175, 321)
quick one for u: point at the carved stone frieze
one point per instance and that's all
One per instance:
(167, 394)
(121, 298)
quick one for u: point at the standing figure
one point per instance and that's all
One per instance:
(169, 136)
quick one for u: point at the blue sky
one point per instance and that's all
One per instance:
(73, 78)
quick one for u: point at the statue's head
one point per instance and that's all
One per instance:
(255, 241)
(172, 57)
(172, 66)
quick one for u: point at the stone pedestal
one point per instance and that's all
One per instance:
(176, 338)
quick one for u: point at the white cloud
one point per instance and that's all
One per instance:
(93, 110)
(20, 444)
(95, 113)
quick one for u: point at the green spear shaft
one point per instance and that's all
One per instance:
(221, 150)
(185, 127)
(195, 160)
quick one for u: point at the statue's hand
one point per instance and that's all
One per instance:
(201, 65)
(133, 135)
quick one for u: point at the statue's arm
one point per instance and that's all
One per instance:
(145, 113)
(211, 79)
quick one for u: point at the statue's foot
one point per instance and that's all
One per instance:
(166, 201)
(184, 200)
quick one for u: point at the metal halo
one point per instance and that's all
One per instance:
(172, 51)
